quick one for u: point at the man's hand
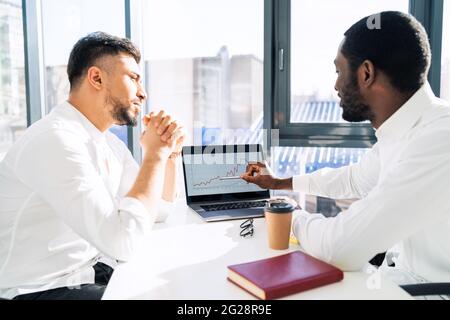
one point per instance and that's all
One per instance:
(169, 130)
(173, 135)
(179, 137)
(152, 144)
(261, 175)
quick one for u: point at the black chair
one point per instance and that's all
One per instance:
(427, 289)
(417, 289)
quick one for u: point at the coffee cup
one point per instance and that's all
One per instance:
(278, 214)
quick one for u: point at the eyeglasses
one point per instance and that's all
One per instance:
(247, 228)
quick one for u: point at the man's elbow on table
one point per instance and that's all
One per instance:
(123, 246)
(132, 228)
(120, 240)
(319, 238)
(349, 261)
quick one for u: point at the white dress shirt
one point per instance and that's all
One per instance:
(63, 204)
(403, 184)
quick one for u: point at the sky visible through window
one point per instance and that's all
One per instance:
(317, 29)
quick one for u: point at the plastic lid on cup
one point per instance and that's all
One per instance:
(279, 206)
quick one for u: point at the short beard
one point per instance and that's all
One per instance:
(353, 109)
(120, 111)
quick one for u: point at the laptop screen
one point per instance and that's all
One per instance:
(211, 172)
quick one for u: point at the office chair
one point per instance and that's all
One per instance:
(417, 289)
(427, 289)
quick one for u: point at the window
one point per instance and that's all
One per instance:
(204, 65)
(13, 116)
(63, 23)
(445, 64)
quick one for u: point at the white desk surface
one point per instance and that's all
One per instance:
(186, 258)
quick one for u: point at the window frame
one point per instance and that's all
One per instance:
(133, 31)
(34, 60)
(430, 14)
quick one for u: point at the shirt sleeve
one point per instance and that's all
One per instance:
(165, 208)
(59, 167)
(397, 207)
(130, 173)
(350, 182)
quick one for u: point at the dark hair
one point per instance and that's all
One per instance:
(398, 46)
(94, 46)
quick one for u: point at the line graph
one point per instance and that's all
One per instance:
(231, 173)
(204, 178)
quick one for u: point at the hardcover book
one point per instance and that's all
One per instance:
(283, 275)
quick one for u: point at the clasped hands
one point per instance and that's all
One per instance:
(163, 136)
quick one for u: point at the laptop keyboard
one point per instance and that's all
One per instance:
(237, 205)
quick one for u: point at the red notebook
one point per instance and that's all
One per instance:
(283, 275)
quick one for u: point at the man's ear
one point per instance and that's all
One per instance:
(366, 73)
(95, 77)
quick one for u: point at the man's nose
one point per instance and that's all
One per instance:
(337, 89)
(141, 93)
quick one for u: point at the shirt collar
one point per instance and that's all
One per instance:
(407, 115)
(92, 130)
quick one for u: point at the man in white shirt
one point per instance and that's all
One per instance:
(402, 182)
(73, 201)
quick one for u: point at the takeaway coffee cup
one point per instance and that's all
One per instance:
(278, 213)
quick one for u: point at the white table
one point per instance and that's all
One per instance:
(186, 258)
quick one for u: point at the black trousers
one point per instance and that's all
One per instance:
(92, 291)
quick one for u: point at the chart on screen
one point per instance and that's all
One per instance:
(207, 179)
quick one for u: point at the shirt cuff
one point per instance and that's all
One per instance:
(135, 209)
(300, 183)
(164, 209)
(301, 228)
(298, 218)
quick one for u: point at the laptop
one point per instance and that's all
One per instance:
(213, 187)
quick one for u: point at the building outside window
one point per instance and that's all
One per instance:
(204, 65)
(13, 114)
